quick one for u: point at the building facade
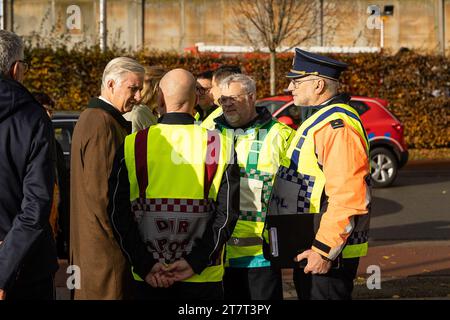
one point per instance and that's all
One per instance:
(423, 25)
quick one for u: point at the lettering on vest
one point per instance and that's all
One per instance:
(171, 249)
(174, 226)
(170, 238)
(279, 201)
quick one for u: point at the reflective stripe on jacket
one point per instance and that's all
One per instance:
(302, 181)
(259, 149)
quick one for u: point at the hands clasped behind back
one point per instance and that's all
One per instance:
(164, 276)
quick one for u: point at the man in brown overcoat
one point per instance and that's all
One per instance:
(100, 130)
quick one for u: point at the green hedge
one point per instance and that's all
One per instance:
(417, 86)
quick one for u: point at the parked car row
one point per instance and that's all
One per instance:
(388, 151)
(63, 125)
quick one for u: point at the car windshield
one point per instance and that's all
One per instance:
(271, 105)
(359, 106)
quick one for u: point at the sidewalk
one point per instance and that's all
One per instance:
(408, 270)
(418, 270)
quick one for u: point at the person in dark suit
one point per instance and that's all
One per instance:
(100, 130)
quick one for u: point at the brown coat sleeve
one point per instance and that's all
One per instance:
(92, 245)
(99, 150)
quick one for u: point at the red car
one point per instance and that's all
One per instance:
(388, 151)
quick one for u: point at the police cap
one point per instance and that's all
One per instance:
(307, 63)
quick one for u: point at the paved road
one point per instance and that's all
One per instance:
(416, 207)
(409, 236)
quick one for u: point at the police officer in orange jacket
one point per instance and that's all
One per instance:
(326, 171)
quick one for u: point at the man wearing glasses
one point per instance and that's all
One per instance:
(205, 103)
(218, 75)
(260, 142)
(326, 171)
(27, 250)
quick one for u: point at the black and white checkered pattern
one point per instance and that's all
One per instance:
(304, 195)
(358, 237)
(167, 256)
(305, 183)
(289, 175)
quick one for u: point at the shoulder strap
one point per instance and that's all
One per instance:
(140, 156)
(330, 110)
(212, 160)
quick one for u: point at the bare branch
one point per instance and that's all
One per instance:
(282, 23)
(277, 23)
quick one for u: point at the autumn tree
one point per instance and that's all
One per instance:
(280, 25)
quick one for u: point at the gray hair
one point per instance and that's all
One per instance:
(118, 67)
(11, 50)
(332, 85)
(247, 83)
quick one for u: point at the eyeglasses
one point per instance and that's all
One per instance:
(297, 83)
(202, 90)
(232, 99)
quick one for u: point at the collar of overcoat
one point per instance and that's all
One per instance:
(100, 104)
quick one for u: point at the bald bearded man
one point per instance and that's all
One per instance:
(175, 199)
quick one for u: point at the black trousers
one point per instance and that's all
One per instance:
(337, 284)
(253, 284)
(179, 291)
(40, 290)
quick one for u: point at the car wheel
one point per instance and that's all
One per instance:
(383, 167)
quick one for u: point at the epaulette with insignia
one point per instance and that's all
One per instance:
(338, 123)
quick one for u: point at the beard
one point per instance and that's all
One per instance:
(232, 118)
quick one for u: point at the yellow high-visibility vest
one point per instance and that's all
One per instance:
(301, 175)
(209, 123)
(170, 193)
(259, 151)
